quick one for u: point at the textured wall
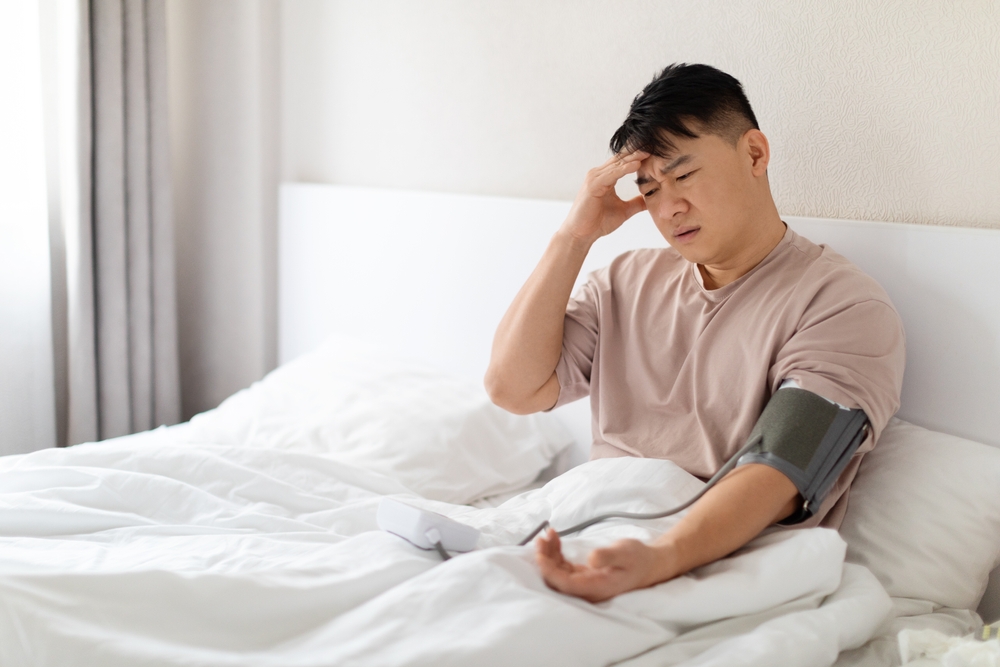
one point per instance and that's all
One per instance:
(883, 110)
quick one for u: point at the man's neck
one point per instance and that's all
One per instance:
(764, 239)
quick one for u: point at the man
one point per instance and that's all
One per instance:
(683, 350)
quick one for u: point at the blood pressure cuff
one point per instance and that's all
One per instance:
(810, 440)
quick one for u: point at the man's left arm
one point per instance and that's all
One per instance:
(852, 354)
(733, 512)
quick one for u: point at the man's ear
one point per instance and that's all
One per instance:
(757, 150)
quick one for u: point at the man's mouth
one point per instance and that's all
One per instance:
(686, 233)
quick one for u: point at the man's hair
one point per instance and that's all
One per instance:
(681, 101)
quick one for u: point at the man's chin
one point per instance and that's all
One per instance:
(691, 253)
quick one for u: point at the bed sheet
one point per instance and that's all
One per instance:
(882, 650)
(140, 551)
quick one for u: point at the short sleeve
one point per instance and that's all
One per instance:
(853, 354)
(580, 332)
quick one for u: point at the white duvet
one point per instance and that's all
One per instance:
(140, 551)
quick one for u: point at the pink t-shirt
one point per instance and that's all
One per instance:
(679, 372)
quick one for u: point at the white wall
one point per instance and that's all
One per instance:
(883, 110)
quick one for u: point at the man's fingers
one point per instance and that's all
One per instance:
(559, 579)
(618, 166)
(554, 543)
(617, 158)
(548, 550)
(629, 156)
(624, 164)
(564, 576)
(588, 583)
(553, 536)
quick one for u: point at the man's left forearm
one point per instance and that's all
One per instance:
(736, 510)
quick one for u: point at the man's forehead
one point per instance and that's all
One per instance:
(663, 165)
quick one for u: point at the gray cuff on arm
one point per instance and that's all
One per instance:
(810, 440)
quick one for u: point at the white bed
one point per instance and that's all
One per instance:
(248, 537)
(408, 250)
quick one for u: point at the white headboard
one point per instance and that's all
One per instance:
(429, 275)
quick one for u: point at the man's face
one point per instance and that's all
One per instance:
(701, 197)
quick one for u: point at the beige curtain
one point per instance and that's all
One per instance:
(116, 322)
(225, 107)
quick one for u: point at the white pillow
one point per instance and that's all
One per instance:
(924, 515)
(439, 436)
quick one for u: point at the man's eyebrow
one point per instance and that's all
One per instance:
(670, 166)
(676, 162)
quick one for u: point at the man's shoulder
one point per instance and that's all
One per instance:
(830, 276)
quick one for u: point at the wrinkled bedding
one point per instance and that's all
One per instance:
(142, 551)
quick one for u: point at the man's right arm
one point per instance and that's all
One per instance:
(521, 376)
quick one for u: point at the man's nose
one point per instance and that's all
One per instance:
(669, 205)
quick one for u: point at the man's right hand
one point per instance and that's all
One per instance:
(597, 209)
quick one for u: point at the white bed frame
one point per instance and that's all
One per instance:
(429, 275)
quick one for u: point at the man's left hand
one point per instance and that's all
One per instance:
(623, 566)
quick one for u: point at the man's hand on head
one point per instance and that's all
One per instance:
(597, 209)
(623, 566)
